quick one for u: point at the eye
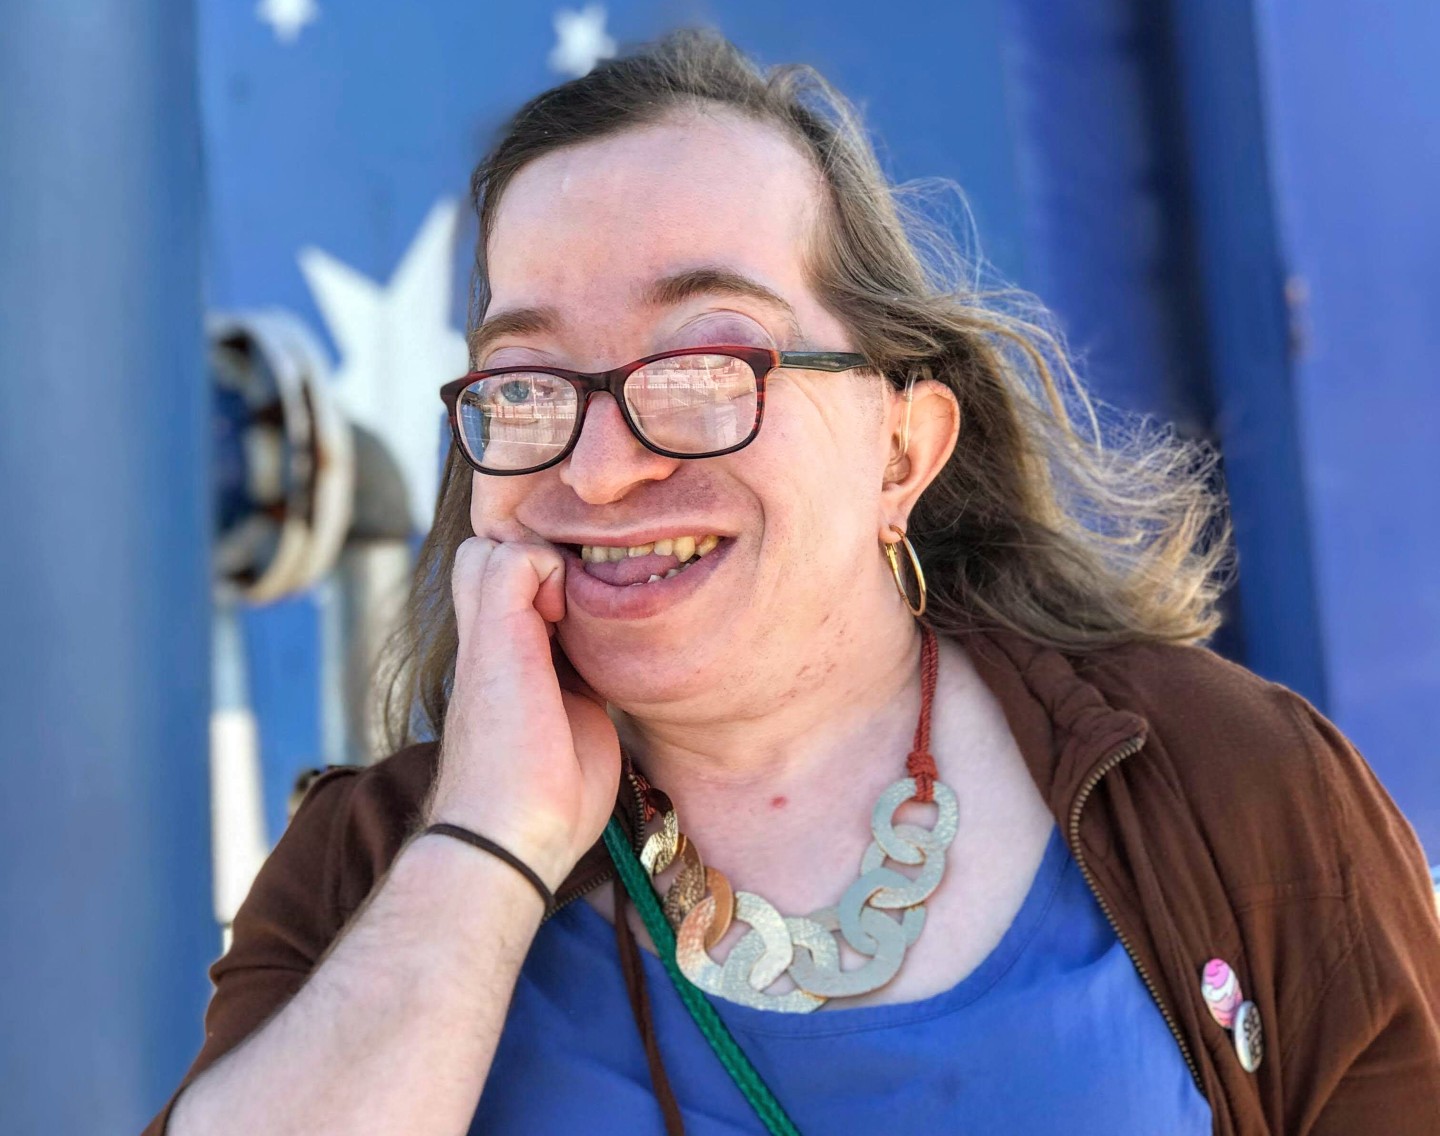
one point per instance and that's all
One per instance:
(516, 391)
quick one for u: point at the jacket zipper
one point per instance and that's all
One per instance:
(1111, 760)
(608, 874)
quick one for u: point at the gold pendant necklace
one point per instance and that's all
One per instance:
(701, 905)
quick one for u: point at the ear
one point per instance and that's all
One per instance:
(916, 455)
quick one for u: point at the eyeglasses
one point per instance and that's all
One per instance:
(697, 402)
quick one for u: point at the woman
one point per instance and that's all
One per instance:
(1032, 862)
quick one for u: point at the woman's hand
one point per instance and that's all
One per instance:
(530, 763)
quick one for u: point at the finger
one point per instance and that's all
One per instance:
(514, 578)
(550, 599)
(471, 560)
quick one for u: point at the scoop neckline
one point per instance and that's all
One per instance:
(583, 919)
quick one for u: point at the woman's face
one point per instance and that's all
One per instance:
(798, 512)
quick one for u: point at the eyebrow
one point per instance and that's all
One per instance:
(663, 292)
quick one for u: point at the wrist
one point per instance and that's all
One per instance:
(451, 869)
(550, 864)
(500, 852)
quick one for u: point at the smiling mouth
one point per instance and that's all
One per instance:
(636, 565)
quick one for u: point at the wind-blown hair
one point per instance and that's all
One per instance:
(1074, 538)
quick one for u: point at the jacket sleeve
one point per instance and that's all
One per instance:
(287, 920)
(1386, 1076)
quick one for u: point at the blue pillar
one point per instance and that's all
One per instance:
(106, 929)
(1242, 273)
(1151, 231)
(1353, 99)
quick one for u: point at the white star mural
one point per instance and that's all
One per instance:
(287, 17)
(397, 347)
(580, 40)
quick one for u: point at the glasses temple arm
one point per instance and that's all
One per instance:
(822, 360)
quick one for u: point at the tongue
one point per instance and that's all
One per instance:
(631, 570)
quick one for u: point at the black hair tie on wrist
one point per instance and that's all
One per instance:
(509, 857)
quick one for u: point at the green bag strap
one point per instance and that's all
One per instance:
(732, 1057)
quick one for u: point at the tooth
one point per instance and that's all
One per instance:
(672, 572)
(615, 554)
(664, 547)
(684, 548)
(707, 544)
(640, 550)
(653, 578)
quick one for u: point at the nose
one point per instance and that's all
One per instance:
(608, 461)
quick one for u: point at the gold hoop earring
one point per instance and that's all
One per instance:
(890, 555)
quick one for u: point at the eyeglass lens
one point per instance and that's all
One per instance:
(687, 404)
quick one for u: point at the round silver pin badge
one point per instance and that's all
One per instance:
(1249, 1037)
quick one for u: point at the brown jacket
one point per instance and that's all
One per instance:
(1215, 815)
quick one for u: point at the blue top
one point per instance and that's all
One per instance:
(1053, 1032)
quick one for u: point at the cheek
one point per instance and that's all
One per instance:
(493, 501)
(819, 481)
(832, 448)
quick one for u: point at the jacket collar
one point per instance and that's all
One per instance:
(1064, 727)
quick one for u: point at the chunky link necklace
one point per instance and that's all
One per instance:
(701, 906)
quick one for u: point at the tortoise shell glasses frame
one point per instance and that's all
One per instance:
(761, 361)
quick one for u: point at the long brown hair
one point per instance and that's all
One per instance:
(1071, 535)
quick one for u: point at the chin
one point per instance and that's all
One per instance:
(631, 666)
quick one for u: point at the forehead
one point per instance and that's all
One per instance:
(590, 229)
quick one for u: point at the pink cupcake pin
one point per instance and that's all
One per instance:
(1221, 991)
